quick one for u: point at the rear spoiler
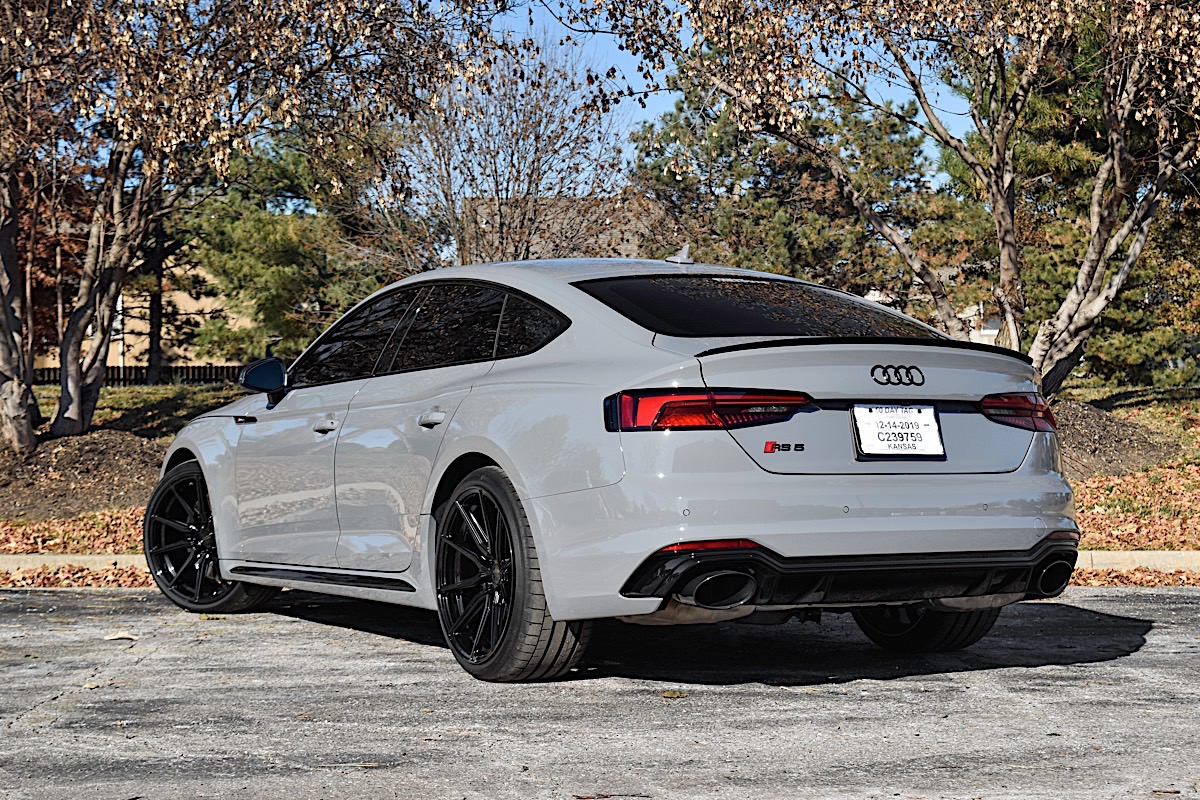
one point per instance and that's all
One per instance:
(806, 341)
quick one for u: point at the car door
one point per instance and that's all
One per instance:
(284, 465)
(396, 422)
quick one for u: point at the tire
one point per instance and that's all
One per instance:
(491, 604)
(181, 548)
(920, 629)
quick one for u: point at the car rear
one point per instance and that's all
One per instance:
(820, 451)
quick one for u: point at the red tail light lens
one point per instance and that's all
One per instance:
(712, 544)
(1023, 410)
(698, 409)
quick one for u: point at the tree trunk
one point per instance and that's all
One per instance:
(1009, 293)
(82, 374)
(1055, 372)
(16, 394)
(155, 265)
(118, 229)
(16, 428)
(35, 413)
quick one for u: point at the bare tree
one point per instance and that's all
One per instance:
(38, 68)
(171, 90)
(782, 63)
(515, 166)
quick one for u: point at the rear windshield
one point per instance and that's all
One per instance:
(716, 305)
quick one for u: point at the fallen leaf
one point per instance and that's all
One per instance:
(120, 635)
(673, 695)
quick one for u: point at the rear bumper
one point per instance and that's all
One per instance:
(688, 486)
(864, 580)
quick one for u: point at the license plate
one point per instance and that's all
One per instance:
(897, 430)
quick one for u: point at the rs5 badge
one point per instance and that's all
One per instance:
(782, 447)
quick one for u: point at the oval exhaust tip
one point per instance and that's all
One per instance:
(1054, 577)
(719, 590)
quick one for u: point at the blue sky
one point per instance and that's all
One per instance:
(603, 51)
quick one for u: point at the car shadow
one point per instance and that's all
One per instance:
(381, 619)
(835, 651)
(1036, 634)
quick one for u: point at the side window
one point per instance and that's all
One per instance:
(525, 327)
(456, 324)
(350, 348)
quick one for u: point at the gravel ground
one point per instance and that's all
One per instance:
(116, 694)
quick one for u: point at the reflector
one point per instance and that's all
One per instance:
(712, 544)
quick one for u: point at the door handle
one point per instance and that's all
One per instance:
(325, 426)
(431, 419)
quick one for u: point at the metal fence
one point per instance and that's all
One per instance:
(136, 376)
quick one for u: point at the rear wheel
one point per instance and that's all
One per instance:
(920, 629)
(181, 547)
(491, 604)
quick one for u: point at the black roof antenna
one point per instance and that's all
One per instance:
(681, 257)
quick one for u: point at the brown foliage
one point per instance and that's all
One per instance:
(114, 532)
(71, 576)
(1158, 509)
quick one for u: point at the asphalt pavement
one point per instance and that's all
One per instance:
(117, 694)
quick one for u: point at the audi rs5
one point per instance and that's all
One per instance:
(524, 448)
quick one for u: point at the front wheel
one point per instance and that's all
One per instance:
(491, 604)
(181, 547)
(920, 629)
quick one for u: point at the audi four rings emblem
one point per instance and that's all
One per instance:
(893, 375)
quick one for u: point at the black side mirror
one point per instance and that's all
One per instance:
(265, 375)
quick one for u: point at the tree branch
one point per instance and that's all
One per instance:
(938, 129)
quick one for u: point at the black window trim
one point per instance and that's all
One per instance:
(408, 313)
(395, 342)
(564, 324)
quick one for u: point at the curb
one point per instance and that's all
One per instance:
(1166, 560)
(9, 563)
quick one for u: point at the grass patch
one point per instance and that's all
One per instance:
(154, 412)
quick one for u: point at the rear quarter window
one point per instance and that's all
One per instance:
(526, 326)
(720, 305)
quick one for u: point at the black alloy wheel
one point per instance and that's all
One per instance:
(475, 575)
(181, 548)
(491, 604)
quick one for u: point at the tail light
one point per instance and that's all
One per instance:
(1027, 410)
(699, 409)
